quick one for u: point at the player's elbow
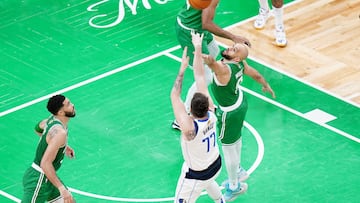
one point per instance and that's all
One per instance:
(206, 25)
(257, 77)
(174, 95)
(43, 164)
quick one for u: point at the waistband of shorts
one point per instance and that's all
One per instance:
(207, 173)
(36, 167)
(234, 106)
(182, 25)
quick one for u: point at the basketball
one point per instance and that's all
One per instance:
(199, 4)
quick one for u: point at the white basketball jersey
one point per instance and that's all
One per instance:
(202, 151)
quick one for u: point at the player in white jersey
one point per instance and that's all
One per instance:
(199, 146)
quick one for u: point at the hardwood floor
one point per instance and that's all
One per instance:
(323, 45)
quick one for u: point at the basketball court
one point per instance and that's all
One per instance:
(117, 63)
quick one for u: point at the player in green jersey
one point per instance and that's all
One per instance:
(40, 181)
(228, 74)
(201, 21)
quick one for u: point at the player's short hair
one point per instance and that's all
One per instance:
(55, 103)
(199, 105)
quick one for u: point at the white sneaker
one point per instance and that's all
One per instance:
(261, 19)
(242, 174)
(230, 195)
(280, 37)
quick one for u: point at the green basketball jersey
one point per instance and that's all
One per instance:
(187, 20)
(190, 17)
(228, 95)
(43, 144)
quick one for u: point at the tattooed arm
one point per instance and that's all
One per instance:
(39, 128)
(56, 139)
(182, 117)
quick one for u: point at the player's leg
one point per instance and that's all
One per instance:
(233, 187)
(264, 13)
(280, 36)
(213, 48)
(57, 200)
(231, 159)
(230, 127)
(233, 133)
(213, 189)
(187, 190)
(214, 192)
(54, 195)
(34, 188)
(242, 174)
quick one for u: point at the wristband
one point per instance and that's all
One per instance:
(38, 129)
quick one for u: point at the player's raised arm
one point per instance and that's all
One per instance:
(198, 65)
(181, 115)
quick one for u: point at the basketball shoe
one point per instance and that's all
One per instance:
(242, 175)
(261, 18)
(280, 36)
(230, 195)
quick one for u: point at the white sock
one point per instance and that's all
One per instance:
(278, 14)
(231, 156)
(264, 4)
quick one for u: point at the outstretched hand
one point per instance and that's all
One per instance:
(66, 195)
(242, 40)
(267, 88)
(184, 60)
(208, 59)
(197, 38)
(69, 152)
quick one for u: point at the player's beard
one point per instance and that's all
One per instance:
(225, 56)
(70, 114)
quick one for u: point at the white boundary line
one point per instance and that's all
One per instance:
(256, 163)
(166, 53)
(305, 82)
(119, 199)
(7, 195)
(286, 108)
(110, 198)
(261, 147)
(85, 82)
(345, 99)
